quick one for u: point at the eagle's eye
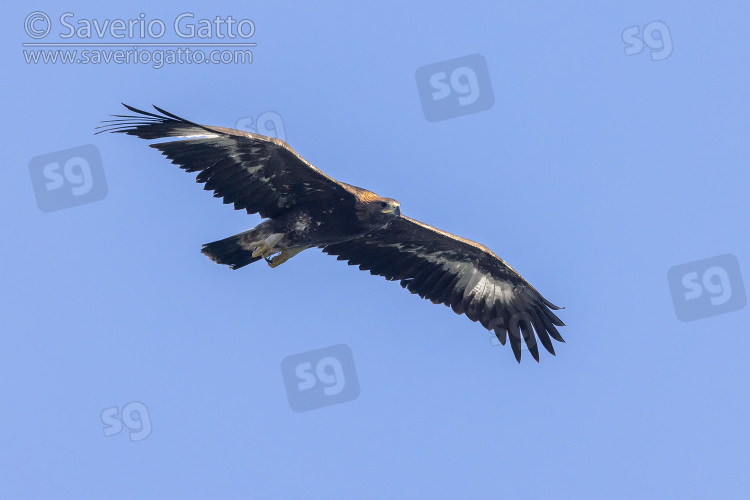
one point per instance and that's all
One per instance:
(383, 204)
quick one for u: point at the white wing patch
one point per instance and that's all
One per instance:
(302, 223)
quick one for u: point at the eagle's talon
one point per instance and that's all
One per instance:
(284, 256)
(263, 249)
(277, 260)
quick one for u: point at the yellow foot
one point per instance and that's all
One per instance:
(262, 249)
(284, 256)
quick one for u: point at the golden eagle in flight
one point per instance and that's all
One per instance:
(305, 208)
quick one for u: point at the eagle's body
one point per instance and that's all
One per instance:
(301, 228)
(305, 208)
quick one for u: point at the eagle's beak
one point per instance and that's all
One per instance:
(393, 209)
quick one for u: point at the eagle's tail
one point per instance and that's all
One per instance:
(234, 251)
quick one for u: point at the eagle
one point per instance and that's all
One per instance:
(305, 208)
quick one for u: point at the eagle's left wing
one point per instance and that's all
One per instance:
(255, 173)
(459, 273)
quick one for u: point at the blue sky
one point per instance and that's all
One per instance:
(592, 172)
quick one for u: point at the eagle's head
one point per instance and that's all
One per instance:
(375, 210)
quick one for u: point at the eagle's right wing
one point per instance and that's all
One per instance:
(459, 273)
(257, 173)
